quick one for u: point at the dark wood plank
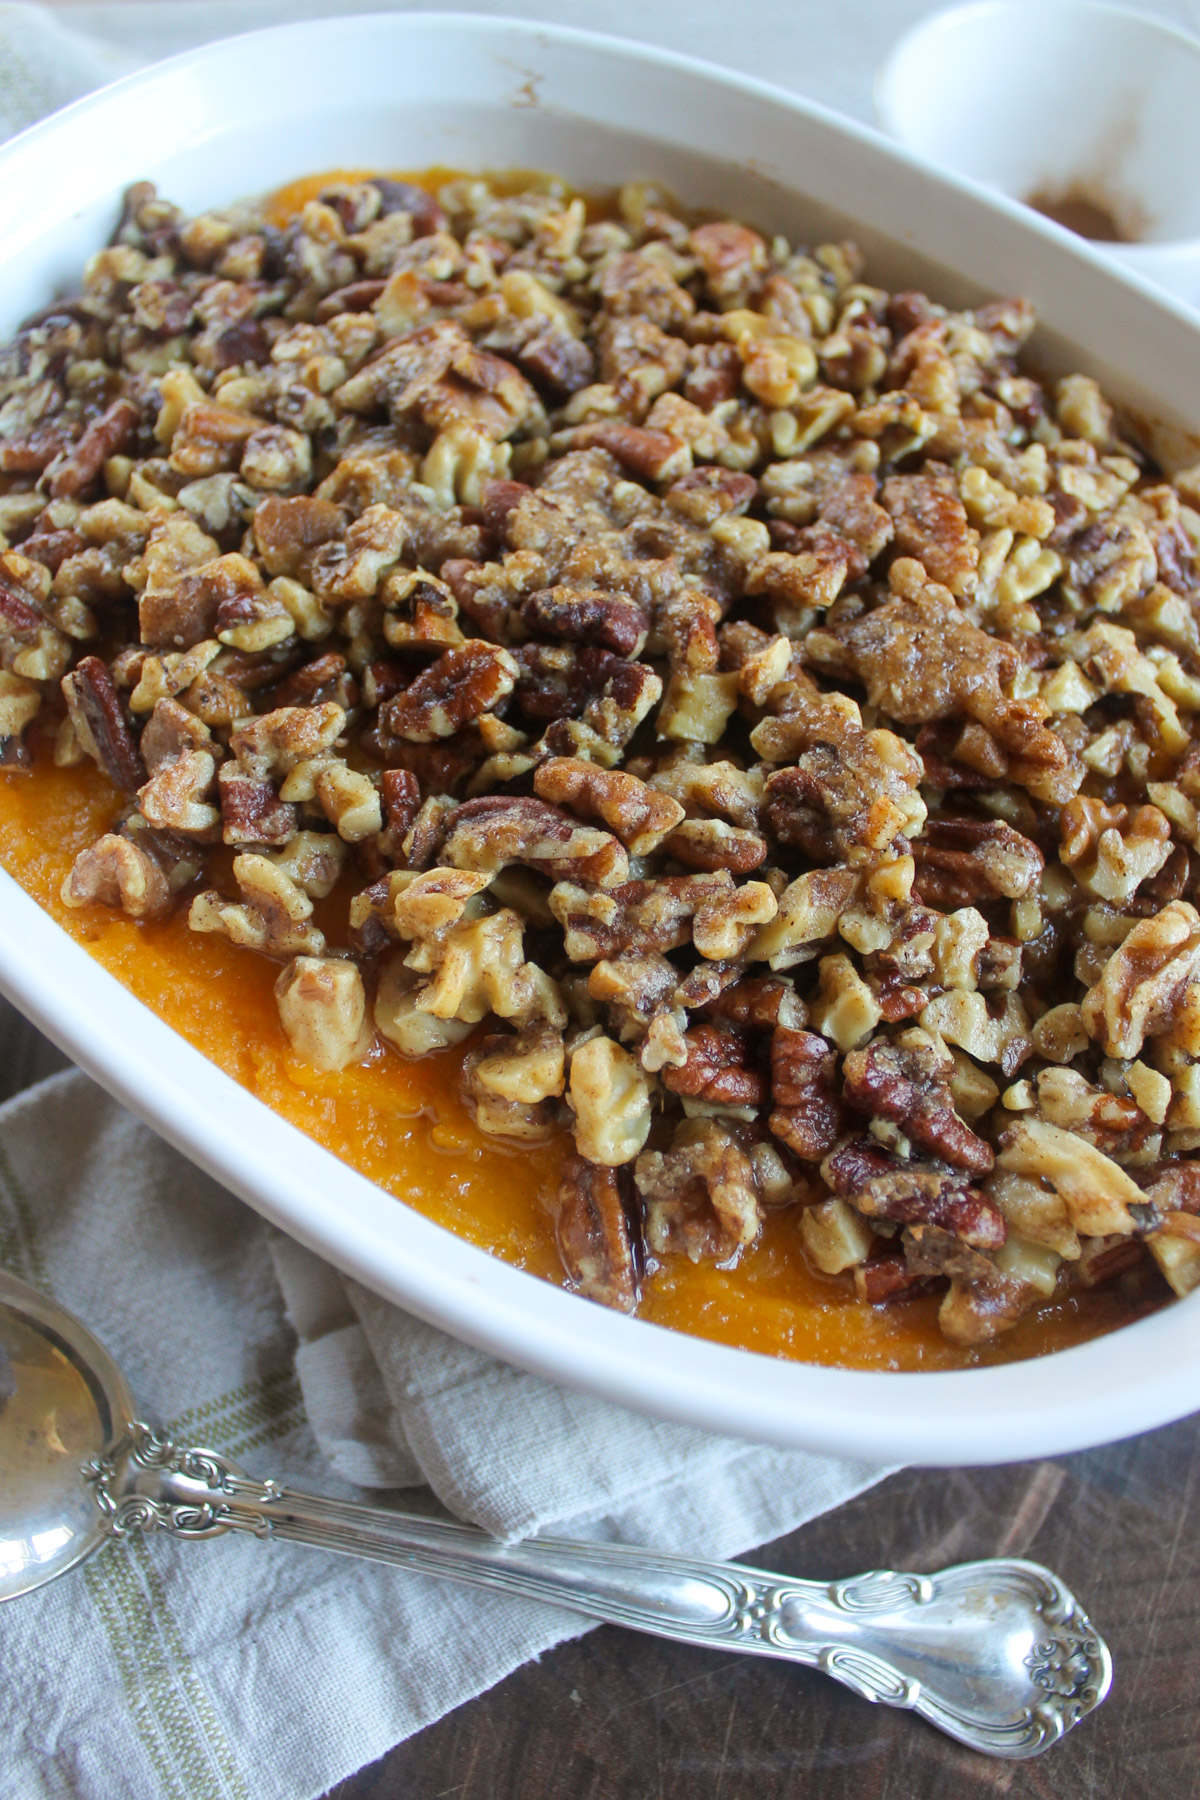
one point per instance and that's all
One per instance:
(621, 1717)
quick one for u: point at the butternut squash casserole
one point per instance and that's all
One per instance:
(728, 715)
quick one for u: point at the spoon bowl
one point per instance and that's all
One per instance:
(998, 1654)
(63, 1403)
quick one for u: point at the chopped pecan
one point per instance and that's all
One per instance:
(656, 455)
(808, 1115)
(910, 1083)
(103, 438)
(636, 918)
(716, 1069)
(763, 1001)
(886, 1277)
(593, 1235)
(494, 830)
(962, 860)
(401, 794)
(917, 1195)
(586, 616)
(734, 260)
(460, 686)
(712, 844)
(251, 810)
(288, 531)
(100, 726)
(638, 815)
(1096, 1191)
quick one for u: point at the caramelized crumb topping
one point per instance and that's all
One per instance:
(754, 695)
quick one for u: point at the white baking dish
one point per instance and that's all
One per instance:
(396, 91)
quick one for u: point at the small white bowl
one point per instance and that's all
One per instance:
(405, 90)
(1063, 100)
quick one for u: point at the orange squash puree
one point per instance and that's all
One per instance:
(283, 204)
(403, 1125)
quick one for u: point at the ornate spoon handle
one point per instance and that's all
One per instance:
(998, 1654)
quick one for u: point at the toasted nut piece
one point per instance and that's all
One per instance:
(610, 1095)
(323, 1011)
(495, 830)
(835, 1236)
(701, 1196)
(273, 915)
(115, 872)
(413, 1031)
(460, 686)
(1144, 979)
(593, 1235)
(1095, 1190)
(639, 816)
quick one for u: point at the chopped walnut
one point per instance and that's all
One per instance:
(274, 914)
(511, 1083)
(610, 1096)
(118, 873)
(1097, 1193)
(323, 1011)
(1143, 980)
(701, 1196)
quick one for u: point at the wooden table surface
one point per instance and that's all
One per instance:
(616, 1716)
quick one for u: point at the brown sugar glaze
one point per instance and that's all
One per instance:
(403, 1124)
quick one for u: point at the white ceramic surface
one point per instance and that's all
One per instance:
(397, 91)
(1059, 97)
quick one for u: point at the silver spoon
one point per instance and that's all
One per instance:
(998, 1654)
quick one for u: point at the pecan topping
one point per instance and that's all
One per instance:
(715, 1070)
(960, 861)
(911, 1085)
(460, 686)
(808, 1115)
(753, 709)
(928, 1197)
(111, 432)
(100, 725)
(586, 616)
(593, 1235)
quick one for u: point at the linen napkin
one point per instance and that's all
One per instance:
(255, 1671)
(252, 1671)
